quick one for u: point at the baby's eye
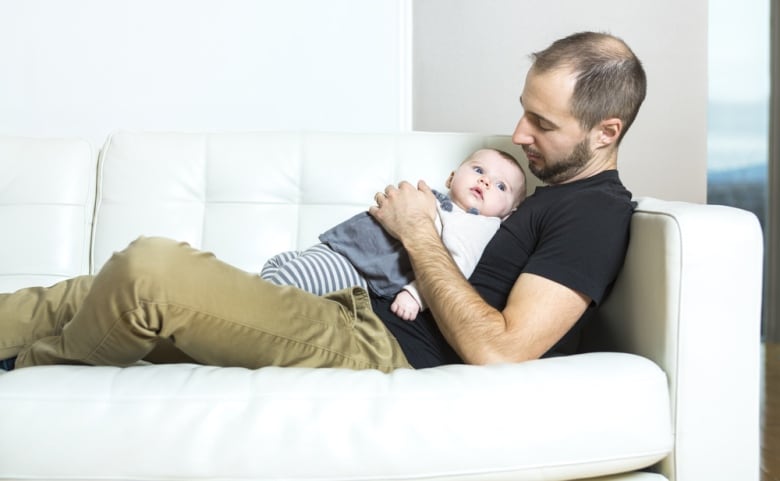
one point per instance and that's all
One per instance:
(478, 169)
(501, 186)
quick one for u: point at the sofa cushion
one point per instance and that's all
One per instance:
(551, 419)
(47, 190)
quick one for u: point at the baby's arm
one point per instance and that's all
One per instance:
(405, 306)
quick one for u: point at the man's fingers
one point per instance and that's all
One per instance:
(373, 211)
(391, 191)
(423, 187)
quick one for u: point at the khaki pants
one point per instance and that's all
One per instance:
(157, 289)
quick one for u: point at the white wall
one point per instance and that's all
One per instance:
(86, 67)
(471, 56)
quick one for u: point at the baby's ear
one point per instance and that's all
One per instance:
(448, 184)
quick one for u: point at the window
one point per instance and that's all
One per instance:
(738, 118)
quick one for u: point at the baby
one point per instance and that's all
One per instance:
(484, 189)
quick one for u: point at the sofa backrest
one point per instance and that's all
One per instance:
(247, 196)
(47, 192)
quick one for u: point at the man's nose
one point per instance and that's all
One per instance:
(522, 134)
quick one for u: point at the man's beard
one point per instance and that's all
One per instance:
(566, 168)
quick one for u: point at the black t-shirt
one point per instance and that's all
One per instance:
(575, 234)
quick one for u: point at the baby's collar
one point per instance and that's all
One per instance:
(446, 203)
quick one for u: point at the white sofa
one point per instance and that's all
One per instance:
(668, 390)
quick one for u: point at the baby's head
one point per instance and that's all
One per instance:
(490, 181)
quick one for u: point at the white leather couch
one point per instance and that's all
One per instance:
(669, 389)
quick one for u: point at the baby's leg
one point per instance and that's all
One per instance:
(271, 267)
(318, 270)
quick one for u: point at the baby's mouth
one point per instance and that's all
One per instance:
(477, 192)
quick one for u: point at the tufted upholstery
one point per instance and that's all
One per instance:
(47, 192)
(247, 196)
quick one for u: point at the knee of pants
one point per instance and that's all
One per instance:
(146, 257)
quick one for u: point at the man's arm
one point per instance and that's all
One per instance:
(538, 312)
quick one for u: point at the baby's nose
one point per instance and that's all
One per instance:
(484, 180)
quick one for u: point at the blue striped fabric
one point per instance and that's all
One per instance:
(318, 270)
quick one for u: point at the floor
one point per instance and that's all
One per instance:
(770, 417)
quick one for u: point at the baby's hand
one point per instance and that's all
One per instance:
(405, 306)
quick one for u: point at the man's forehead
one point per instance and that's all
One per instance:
(549, 92)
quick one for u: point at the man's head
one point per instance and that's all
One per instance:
(489, 181)
(610, 79)
(582, 93)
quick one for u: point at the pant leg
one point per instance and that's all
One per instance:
(215, 313)
(33, 313)
(319, 270)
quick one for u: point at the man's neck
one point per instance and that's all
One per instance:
(597, 165)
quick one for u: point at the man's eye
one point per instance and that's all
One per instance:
(542, 125)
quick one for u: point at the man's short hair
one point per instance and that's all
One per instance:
(610, 79)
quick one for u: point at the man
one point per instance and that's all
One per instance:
(553, 261)
(542, 274)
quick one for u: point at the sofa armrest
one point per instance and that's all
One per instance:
(689, 298)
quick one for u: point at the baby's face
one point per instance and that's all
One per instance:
(489, 183)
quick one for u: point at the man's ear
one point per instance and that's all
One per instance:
(608, 132)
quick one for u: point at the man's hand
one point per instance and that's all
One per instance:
(405, 306)
(402, 210)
